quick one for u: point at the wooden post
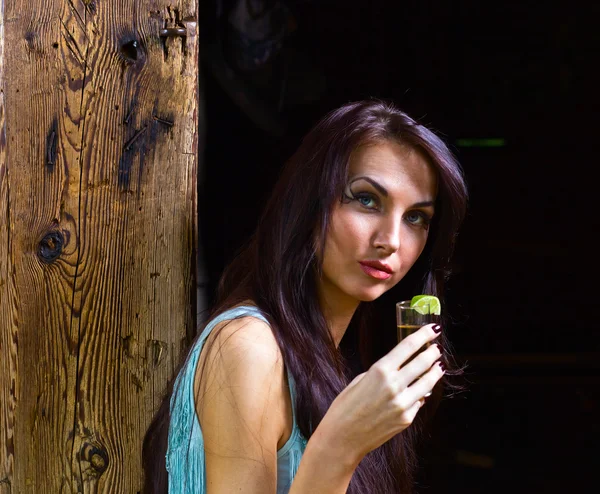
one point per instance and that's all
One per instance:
(99, 115)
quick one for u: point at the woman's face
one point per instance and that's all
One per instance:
(380, 228)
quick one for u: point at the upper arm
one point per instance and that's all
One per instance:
(239, 401)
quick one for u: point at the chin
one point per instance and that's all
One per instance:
(369, 295)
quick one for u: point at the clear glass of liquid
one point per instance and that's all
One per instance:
(409, 320)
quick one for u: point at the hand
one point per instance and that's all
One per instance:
(382, 402)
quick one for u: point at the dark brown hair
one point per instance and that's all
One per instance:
(279, 270)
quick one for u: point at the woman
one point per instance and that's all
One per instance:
(266, 400)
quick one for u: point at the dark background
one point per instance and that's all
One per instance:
(523, 298)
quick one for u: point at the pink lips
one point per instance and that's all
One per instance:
(375, 269)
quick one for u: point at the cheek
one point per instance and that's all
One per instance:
(413, 247)
(347, 231)
(419, 246)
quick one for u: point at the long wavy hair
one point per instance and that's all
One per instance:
(279, 270)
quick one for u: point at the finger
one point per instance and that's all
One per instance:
(418, 366)
(425, 383)
(410, 345)
(410, 414)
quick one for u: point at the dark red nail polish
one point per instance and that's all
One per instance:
(439, 348)
(442, 365)
(437, 328)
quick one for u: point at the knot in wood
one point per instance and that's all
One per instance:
(97, 457)
(30, 37)
(130, 50)
(51, 246)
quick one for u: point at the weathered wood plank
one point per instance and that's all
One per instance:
(8, 300)
(97, 246)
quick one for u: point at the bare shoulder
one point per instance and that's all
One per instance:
(240, 354)
(241, 340)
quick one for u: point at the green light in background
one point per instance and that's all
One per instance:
(490, 142)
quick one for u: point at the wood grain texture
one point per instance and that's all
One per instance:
(98, 233)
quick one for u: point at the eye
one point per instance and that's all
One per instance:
(367, 200)
(418, 218)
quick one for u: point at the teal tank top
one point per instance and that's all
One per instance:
(185, 453)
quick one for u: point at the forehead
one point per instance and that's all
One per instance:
(394, 165)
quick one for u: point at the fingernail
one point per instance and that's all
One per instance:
(442, 365)
(439, 348)
(437, 328)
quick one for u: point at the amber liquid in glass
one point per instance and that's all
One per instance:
(405, 330)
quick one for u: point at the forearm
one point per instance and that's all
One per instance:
(325, 468)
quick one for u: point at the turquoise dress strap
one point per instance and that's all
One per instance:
(185, 453)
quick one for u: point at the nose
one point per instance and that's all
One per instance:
(387, 235)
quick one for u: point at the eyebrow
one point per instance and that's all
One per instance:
(384, 192)
(378, 186)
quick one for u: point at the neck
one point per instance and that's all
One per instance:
(338, 312)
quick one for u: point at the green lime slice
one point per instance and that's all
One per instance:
(426, 304)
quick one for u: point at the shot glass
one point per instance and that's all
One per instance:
(409, 320)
